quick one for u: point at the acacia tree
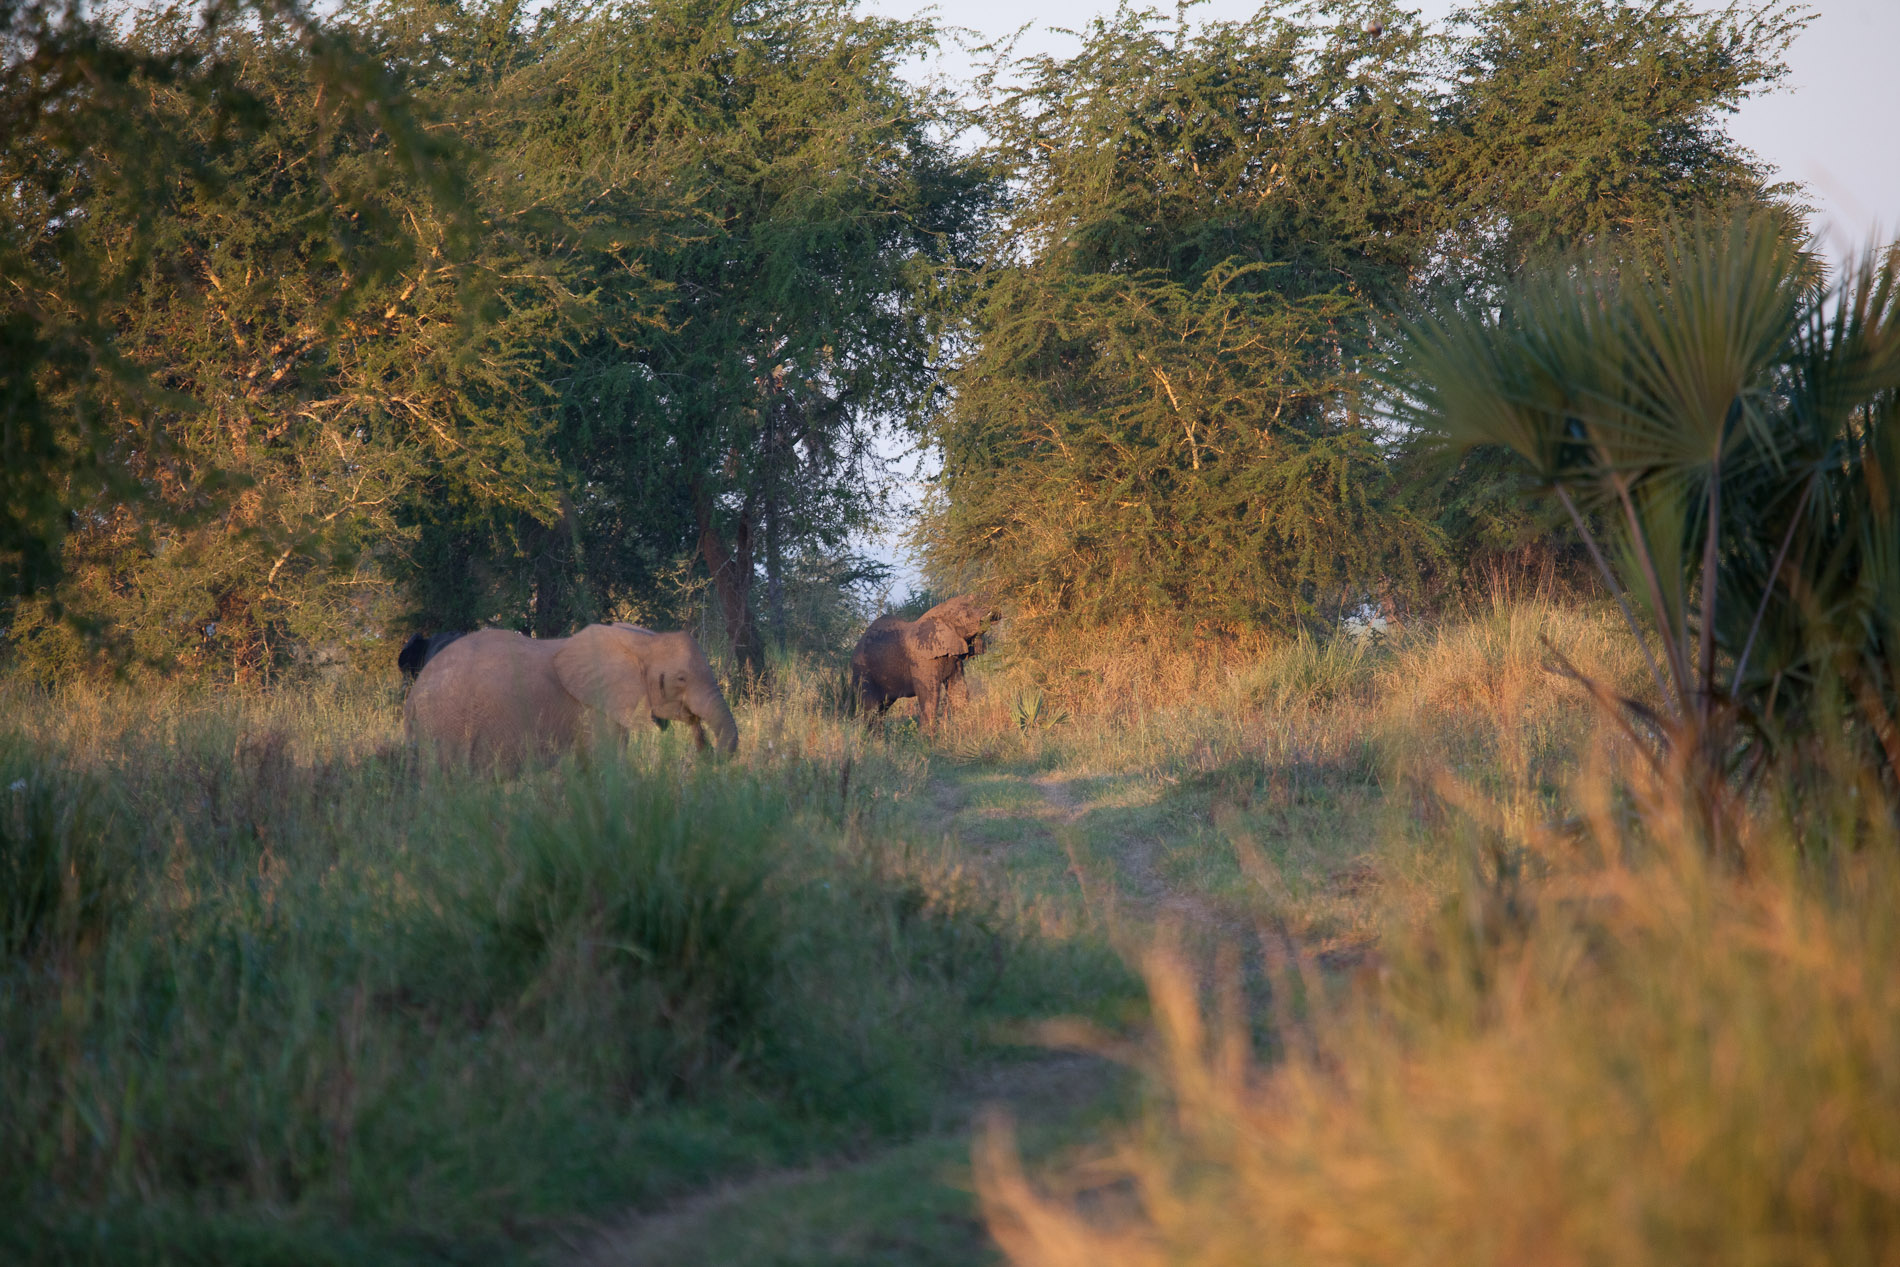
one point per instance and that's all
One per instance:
(1156, 418)
(1576, 122)
(1162, 412)
(130, 145)
(329, 323)
(686, 264)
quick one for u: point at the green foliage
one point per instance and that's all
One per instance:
(1308, 671)
(61, 878)
(1269, 141)
(466, 315)
(456, 314)
(1155, 418)
(1030, 710)
(1730, 421)
(292, 300)
(1575, 122)
(1114, 454)
(1571, 124)
(199, 208)
(799, 200)
(1162, 411)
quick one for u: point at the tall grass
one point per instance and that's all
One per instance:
(1623, 1051)
(274, 994)
(267, 984)
(1655, 1019)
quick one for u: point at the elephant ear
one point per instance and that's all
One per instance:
(601, 667)
(933, 638)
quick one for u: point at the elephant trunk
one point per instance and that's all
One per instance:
(710, 707)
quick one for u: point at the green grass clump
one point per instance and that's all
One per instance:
(60, 883)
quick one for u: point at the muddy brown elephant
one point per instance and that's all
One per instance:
(923, 658)
(497, 697)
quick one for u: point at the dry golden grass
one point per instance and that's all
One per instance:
(1582, 1044)
(1329, 748)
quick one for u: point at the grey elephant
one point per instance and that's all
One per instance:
(898, 659)
(497, 697)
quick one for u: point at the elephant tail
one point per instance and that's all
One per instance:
(409, 659)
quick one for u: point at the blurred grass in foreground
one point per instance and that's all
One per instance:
(1614, 1049)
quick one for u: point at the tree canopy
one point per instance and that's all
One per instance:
(1162, 412)
(529, 315)
(474, 313)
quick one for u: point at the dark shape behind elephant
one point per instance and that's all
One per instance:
(499, 697)
(419, 650)
(922, 659)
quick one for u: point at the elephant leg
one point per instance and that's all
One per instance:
(871, 702)
(956, 689)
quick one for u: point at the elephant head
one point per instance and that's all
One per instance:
(967, 617)
(680, 684)
(498, 695)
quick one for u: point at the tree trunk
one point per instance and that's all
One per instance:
(545, 618)
(777, 439)
(731, 569)
(774, 564)
(560, 597)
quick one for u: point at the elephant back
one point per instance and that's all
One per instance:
(486, 697)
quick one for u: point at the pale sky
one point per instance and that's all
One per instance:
(1833, 126)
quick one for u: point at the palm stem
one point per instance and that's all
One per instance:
(1706, 642)
(1609, 579)
(1768, 590)
(1672, 637)
(1705, 742)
